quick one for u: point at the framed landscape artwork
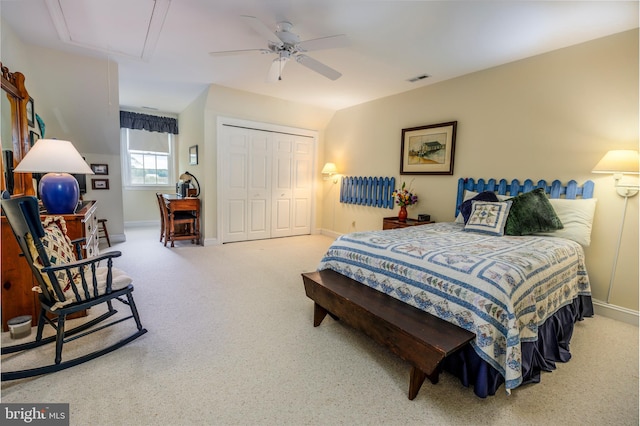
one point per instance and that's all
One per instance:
(428, 150)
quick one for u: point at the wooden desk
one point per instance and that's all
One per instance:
(17, 280)
(176, 203)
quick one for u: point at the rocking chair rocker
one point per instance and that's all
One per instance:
(66, 286)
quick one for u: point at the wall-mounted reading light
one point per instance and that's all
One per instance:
(328, 171)
(618, 163)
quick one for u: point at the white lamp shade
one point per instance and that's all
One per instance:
(329, 169)
(53, 155)
(618, 161)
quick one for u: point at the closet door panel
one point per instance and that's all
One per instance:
(302, 186)
(282, 185)
(235, 186)
(259, 192)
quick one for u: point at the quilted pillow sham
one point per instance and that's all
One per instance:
(531, 212)
(488, 218)
(466, 207)
(468, 195)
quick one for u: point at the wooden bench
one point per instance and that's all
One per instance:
(414, 335)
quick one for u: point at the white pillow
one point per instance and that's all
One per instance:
(577, 218)
(469, 195)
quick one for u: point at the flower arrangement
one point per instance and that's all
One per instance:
(404, 196)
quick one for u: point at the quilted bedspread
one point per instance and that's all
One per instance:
(500, 288)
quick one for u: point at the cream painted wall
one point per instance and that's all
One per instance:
(548, 117)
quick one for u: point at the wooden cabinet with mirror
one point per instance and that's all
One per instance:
(14, 133)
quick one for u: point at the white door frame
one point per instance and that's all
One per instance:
(268, 127)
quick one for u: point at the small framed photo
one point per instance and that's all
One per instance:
(193, 155)
(99, 183)
(428, 150)
(33, 138)
(100, 169)
(31, 116)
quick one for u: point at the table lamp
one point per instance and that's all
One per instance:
(58, 190)
(186, 178)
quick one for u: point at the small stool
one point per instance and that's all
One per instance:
(102, 230)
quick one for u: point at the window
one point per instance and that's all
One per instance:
(147, 158)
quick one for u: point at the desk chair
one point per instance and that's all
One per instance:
(66, 286)
(163, 215)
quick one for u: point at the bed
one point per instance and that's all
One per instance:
(510, 270)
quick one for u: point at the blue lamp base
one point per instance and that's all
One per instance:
(59, 193)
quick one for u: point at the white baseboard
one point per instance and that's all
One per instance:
(330, 233)
(615, 312)
(211, 242)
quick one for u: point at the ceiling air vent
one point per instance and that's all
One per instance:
(418, 78)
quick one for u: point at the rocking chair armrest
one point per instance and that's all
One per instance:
(83, 262)
(77, 244)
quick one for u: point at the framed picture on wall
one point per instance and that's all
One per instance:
(193, 155)
(428, 150)
(99, 183)
(100, 169)
(31, 113)
(33, 138)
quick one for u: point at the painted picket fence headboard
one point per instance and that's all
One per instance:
(556, 189)
(368, 191)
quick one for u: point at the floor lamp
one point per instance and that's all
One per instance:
(619, 163)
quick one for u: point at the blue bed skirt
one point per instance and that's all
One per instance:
(552, 346)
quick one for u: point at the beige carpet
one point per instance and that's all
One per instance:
(231, 342)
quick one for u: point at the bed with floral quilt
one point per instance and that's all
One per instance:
(511, 270)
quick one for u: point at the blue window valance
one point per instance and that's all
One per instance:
(150, 123)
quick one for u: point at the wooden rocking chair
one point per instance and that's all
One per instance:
(66, 286)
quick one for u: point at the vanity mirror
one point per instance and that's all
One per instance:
(14, 133)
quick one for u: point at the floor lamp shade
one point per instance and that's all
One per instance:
(58, 189)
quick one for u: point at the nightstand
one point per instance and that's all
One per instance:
(394, 223)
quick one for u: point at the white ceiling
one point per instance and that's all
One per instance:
(162, 46)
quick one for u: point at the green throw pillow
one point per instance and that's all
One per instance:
(531, 212)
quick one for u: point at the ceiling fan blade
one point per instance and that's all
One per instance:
(275, 72)
(239, 52)
(330, 42)
(259, 27)
(318, 67)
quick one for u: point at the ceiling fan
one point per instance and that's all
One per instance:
(287, 46)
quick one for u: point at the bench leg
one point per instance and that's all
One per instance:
(318, 314)
(416, 379)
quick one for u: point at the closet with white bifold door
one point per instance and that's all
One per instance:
(266, 183)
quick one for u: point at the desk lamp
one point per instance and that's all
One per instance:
(186, 178)
(58, 190)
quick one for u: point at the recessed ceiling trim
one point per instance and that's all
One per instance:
(154, 24)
